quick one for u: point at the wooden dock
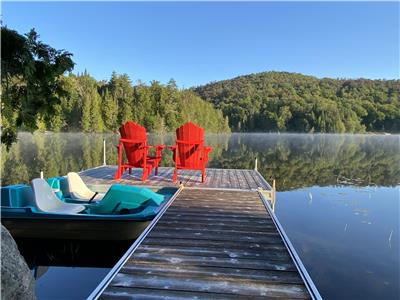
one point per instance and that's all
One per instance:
(215, 178)
(218, 240)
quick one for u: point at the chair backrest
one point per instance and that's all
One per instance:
(190, 141)
(77, 188)
(136, 151)
(44, 197)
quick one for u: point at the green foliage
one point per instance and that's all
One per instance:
(300, 160)
(121, 90)
(91, 106)
(30, 81)
(96, 120)
(280, 101)
(56, 121)
(37, 96)
(193, 108)
(86, 84)
(109, 111)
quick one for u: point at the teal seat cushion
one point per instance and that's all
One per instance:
(124, 197)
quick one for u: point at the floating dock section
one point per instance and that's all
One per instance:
(217, 240)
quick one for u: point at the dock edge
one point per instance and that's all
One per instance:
(308, 282)
(96, 293)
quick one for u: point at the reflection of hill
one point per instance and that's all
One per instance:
(293, 160)
(305, 160)
(70, 253)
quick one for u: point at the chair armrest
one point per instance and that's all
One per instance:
(172, 148)
(207, 149)
(158, 147)
(130, 141)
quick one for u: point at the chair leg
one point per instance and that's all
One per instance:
(120, 169)
(175, 175)
(203, 175)
(156, 171)
(144, 175)
(130, 171)
(118, 173)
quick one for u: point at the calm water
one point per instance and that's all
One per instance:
(338, 200)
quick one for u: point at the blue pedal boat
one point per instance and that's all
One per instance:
(36, 211)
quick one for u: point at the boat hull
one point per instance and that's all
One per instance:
(80, 229)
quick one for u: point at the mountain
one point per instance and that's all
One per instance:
(282, 101)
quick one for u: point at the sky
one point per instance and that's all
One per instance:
(198, 42)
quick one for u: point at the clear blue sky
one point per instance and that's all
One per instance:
(195, 43)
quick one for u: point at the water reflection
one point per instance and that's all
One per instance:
(347, 237)
(295, 161)
(301, 160)
(338, 201)
(69, 269)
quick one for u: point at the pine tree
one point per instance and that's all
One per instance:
(109, 111)
(85, 119)
(122, 92)
(95, 112)
(56, 121)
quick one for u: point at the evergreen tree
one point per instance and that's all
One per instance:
(86, 112)
(121, 90)
(95, 111)
(109, 111)
(56, 121)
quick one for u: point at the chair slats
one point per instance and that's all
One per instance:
(134, 141)
(189, 151)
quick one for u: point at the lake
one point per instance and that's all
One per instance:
(338, 201)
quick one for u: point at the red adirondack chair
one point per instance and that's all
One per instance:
(134, 141)
(189, 152)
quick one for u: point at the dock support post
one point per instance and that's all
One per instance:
(104, 152)
(273, 195)
(41, 174)
(255, 164)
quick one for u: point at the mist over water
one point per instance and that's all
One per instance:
(294, 160)
(338, 195)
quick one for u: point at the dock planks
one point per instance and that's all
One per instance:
(211, 244)
(215, 178)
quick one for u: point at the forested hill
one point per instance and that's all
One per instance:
(96, 106)
(39, 91)
(284, 101)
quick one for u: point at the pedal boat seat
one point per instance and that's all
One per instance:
(45, 199)
(78, 189)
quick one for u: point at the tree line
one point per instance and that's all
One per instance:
(100, 106)
(39, 92)
(281, 101)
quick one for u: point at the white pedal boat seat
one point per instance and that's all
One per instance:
(45, 199)
(78, 189)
